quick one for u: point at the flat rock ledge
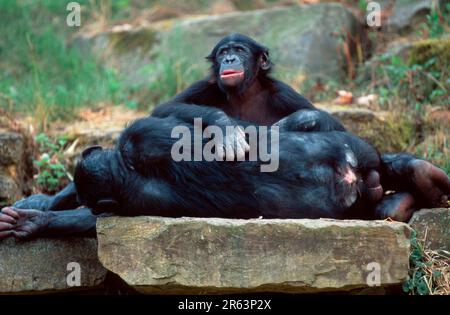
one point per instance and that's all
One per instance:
(158, 255)
(43, 266)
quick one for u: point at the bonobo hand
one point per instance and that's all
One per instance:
(22, 223)
(233, 144)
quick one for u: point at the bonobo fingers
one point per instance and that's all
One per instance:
(27, 222)
(7, 219)
(234, 145)
(7, 223)
(10, 212)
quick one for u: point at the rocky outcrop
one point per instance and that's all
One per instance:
(433, 228)
(42, 265)
(13, 166)
(406, 15)
(388, 133)
(188, 255)
(303, 39)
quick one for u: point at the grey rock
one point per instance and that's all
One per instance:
(191, 255)
(40, 266)
(11, 147)
(408, 14)
(433, 227)
(312, 33)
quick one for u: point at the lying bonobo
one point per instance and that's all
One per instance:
(319, 175)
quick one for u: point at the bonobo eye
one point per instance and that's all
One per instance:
(223, 52)
(240, 49)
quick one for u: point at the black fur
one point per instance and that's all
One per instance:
(308, 183)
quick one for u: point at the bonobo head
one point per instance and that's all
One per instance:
(237, 60)
(95, 180)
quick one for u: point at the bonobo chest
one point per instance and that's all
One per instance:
(255, 109)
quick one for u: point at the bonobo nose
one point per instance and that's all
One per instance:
(230, 59)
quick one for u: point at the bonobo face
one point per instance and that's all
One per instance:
(233, 59)
(94, 180)
(237, 61)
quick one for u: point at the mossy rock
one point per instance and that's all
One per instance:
(386, 131)
(421, 52)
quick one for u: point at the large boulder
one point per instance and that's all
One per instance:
(303, 39)
(42, 265)
(189, 255)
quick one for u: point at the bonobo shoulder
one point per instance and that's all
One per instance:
(286, 97)
(203, 92)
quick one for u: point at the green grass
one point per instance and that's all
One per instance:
(41, 73)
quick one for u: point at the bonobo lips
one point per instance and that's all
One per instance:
(230, 73)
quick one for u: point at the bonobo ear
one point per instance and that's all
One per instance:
(89, 150)
(265, 61)
(107, 205)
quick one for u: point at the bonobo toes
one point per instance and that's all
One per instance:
(430, 183)
(22, 223)
(399, 207)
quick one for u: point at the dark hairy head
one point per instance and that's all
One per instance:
(237, 60)
(95, 179)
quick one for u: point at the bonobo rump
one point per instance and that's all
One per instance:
(319, 175)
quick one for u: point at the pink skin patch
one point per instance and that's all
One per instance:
(349, 176)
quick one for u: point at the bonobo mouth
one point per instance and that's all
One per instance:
(231, 77)
(231, 73)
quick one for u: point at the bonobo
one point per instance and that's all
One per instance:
(240, 86)
(320, 175)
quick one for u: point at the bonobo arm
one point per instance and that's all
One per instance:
(310, 120)
(30, 223)
(234, 143)
(187, 113)
(65, 199)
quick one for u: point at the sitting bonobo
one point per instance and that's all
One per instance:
(319, 176)
(240, 85)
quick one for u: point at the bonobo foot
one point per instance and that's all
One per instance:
(398, 206)
(430, 183)
(22, 223)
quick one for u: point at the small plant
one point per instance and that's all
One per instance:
(426, 270)
(436, 20)
(51, 172)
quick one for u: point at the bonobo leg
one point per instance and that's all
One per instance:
(428, 183)
(399, 206)
(30, 223)
(234, 144)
